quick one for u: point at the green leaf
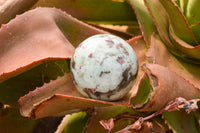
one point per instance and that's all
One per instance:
(12, 122)
(171, 23)
(103, 11)
(178, 23)
(146, 23)
(182, 122)
(23, 83)
(188, 52)
(193, 17)
(73, 123)
(182, 5)
(196, 30)
(107, 12)
(143, 93)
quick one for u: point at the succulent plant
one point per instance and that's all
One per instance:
(37, 47)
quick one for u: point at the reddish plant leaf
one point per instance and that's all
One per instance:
(42, 38)
(10, 8)
(165, 86)
(159, 54)
(28, 45)
(54, 105)
(27, 41)
(139, 46)
(43, 102)
(62, 85)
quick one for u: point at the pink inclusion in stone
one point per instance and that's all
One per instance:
(126, 52)
(110, 43)
(90, 55)
(121, 46)
(91, 91)
(120, 60)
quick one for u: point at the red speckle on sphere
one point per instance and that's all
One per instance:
(120, 60)
(110, 43)
(90, 55)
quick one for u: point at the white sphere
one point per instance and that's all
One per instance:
(104, 67)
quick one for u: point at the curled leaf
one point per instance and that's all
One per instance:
(140, 48)
(160, 85)
(187, 50)
(62, 97)
(159, 54)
